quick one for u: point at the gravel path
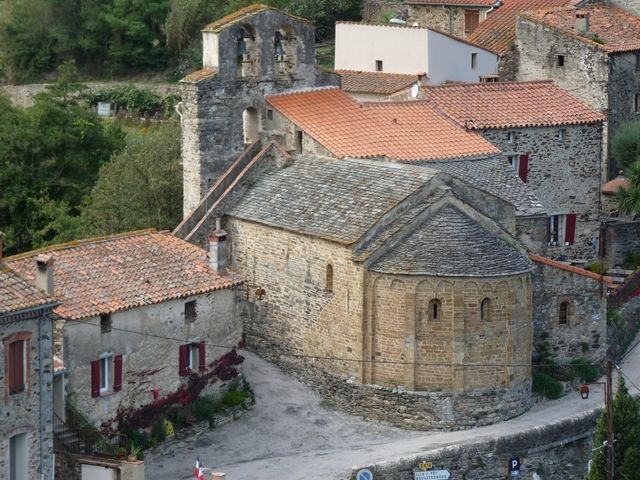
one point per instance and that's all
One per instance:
(290, 434)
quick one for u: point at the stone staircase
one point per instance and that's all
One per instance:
(90, 442)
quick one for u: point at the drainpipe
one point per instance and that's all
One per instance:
(493, 7)
(41, 365)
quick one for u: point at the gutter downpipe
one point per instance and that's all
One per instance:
(41, 366)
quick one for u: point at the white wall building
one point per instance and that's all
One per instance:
(399, 48)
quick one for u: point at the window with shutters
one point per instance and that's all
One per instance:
(192, 358)
(16, 367)
(471, 20)
(17, 364)
(106, 375)
(561, 229)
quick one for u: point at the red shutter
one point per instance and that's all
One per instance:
(201, 357)
(117, 373)
(95, 378)
(16, 367)
(183, 360)
(570, 229)
(523, 167)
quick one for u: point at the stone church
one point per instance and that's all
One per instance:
(393, 259)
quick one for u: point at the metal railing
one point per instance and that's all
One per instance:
(88, 441)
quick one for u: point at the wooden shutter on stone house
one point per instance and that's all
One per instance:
(570, 229)
(16, 367)
(201, 356)
(471, 20)
(523, 167)
(117, 373)
(95, 378)
(183, 360)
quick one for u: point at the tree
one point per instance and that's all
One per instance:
(141, 187)
(625, 145)
(626, 428)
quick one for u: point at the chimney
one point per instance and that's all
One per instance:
(218, 249)
(582, 21)
(44, 273)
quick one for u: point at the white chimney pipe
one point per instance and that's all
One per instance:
(44, 273)
(218, 250)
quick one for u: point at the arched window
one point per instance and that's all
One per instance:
(248, 58)
(284, 50)
(485, 306)
(328, 285)
(563, 313)
(250, 125)
(435, 310)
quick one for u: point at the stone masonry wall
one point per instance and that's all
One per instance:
(585, 335)
(21, 411)
(298, 315)
(212, 108)
(148, 361)
(585, 73)
(629, 5)
(447, 19)
(557, 451)
(564, 173)
(621, 238)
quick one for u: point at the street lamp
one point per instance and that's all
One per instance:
(608, 398)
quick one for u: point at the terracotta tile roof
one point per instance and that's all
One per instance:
(397, 130)
(382, 83)
(17, 294)
(199, 75)
(120, 272)
(570, 268)
(463, 3)
(510, 105)
(498, 31)
(242, 14)
(618, 30)
(612, 186)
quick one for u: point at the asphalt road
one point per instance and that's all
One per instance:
(292, 435)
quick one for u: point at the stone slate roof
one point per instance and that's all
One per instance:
(457, 246)
(510, 105)
(244, 13)
(618, 30)
(397, 130)
(382, 83)
(17, 294)
(337, 200)
(495, 176)
(110, 274)
(498, 31)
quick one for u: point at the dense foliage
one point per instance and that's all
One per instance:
(117, 37)
(626, 150)
(626, 430)
(67, 174)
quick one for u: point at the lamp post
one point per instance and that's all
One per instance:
(608, 398)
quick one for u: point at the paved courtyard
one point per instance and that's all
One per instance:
(291, 434)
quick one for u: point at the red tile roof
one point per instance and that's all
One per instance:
(618, 31)
(570, 268)
(199, 75)
(110, 274)
(463, 3)
(510, 105)
(612, 186)
(397, 130)
(17, 294)
(382, 83)
(242, 14)
(498, 31)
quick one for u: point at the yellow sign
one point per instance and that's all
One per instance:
(425, 466)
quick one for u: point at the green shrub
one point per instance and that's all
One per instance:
(546, 385)
(168, 427)
(233, 398)
(632, 260)
(583, 370)
(598, 266)
(157, 431)
(204, 407)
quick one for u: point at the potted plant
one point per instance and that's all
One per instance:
(121, 452)
(133, 452)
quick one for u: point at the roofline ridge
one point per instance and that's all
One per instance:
(298, 91)
(488, 84)
(244, 12)
(81, 242)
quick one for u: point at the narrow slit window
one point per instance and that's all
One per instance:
(328, 286)
(435, 310)
(378, 65)
(474, 60)
(485, 305)
(563, 314)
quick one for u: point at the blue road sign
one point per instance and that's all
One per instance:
(364, 474)
(514, 466)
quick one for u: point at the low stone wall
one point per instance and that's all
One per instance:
(621, 237)
(622, 330)
(405, 409)
(558, 451)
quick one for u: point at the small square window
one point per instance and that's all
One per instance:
(105, 323)
(378, 65)
(562, 133)
(474, 60)
(269, 114)
(190, 311)
(636, 103)
(560, 60)
(511, 137)
(514, 161)
(637, 62)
